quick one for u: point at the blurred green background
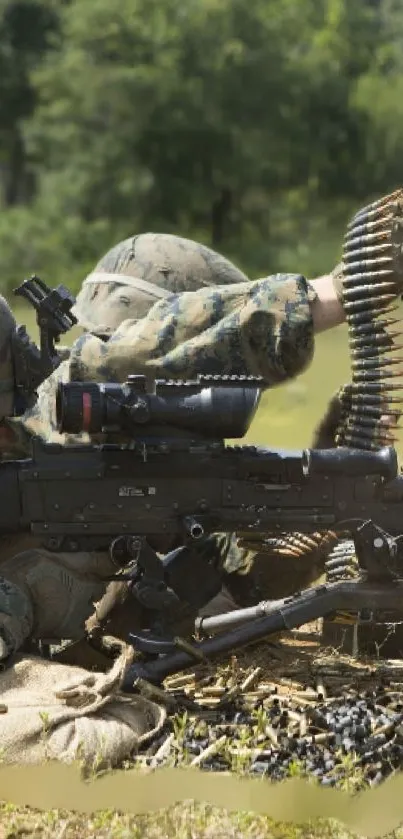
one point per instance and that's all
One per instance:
(257, 128)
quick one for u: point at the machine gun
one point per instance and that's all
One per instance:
(176, 480)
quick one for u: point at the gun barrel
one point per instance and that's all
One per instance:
(351, 462)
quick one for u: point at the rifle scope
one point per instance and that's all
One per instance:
(220, 411)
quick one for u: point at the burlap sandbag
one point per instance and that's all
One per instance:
(58, 712)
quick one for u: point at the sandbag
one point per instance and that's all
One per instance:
(52, 711)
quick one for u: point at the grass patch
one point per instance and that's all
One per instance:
(185, 821)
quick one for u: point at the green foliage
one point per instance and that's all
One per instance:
(255, 127)
(26, 28)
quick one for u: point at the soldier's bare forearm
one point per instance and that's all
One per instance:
(327, 310)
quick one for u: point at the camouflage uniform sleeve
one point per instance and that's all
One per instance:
(261, 328)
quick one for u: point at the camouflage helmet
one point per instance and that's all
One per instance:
(7, 384)
(139, 271)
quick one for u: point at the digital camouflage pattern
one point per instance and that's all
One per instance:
(260, 328)
(165, 263)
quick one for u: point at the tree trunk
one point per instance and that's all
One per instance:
(219, 216)
(13, 189)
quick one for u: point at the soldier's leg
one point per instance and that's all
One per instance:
(46, 595)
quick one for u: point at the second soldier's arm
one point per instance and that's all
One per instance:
(262, 328)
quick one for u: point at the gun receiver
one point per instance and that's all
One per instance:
(186, 488)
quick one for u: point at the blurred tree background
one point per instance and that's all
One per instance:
(256, 127)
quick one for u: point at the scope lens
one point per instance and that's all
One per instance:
(79, 408)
